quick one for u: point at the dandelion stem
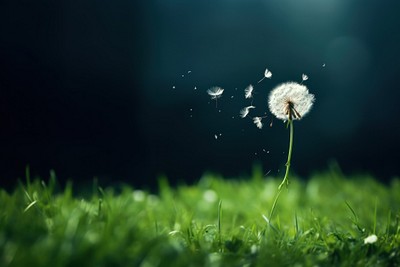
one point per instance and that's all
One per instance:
(285, 178)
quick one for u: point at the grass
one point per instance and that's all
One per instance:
(319, 222)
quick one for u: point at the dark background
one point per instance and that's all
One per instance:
(117, 89)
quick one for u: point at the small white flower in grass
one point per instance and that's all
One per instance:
(248, 92)
(290, 101)
(245, 111)
(304, 77)
(257, 122)
(370, 239)
(267, 74)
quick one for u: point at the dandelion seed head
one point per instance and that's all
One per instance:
(215, 92)
(290, 100)
(245, 111)
(248, 92)
(257, 122)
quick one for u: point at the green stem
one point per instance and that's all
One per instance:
(285, 178)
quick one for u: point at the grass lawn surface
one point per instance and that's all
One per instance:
(327, 220)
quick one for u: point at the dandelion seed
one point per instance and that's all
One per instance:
(215, 93)
(290, 101)
(323, 65)
(245, 111)
(189, 71)
(215, 136)
(304, 77)
(370, 239)
(267, 74)
(173, 87)
(248, 92)
(183, 75)
(257, 122)
(195, 88)
(231, 96)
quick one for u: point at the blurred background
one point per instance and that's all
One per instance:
(117, 89)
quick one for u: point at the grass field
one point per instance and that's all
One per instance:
(323, 221)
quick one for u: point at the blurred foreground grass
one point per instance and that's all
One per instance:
(321, 222)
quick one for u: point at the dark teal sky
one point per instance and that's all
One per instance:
(117, 89)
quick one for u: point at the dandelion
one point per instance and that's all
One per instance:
(267, 74)
(248, 92)
(245, 111)
(258, 122)
(304, 77)
(215, 93)
(289, 101)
